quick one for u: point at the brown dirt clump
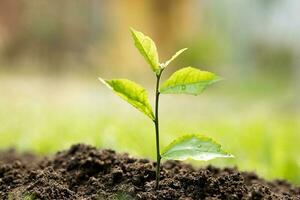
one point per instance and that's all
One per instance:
(84, 172)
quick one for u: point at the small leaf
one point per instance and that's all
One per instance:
(174, 56)
(195, 147)
(131, 92)
(188, 80)
(147, 48)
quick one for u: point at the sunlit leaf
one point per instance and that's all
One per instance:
(188, 80)
(174, 56)
(196, 147)
(147, 48)
(131, 92)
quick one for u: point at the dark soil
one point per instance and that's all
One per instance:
(83, 172)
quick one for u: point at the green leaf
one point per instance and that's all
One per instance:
(188, 80)
(196, 147)
(131, 92)
(174, 56)
(147, 48)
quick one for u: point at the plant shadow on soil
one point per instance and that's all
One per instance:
(84, 172)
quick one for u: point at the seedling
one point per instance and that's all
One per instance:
(188, 80)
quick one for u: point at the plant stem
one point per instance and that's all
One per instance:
(158, 157)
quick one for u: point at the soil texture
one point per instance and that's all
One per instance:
(84, 172)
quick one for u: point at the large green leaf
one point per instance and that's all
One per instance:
(188, 80)
(174, 56)
(147, 48)
(196, 147)
(131, 92)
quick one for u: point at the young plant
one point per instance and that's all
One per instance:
(187, 80)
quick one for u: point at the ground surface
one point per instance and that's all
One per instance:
(84, 172)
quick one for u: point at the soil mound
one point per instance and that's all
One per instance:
(84, 172)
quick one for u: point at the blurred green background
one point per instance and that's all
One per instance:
(51, 53)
